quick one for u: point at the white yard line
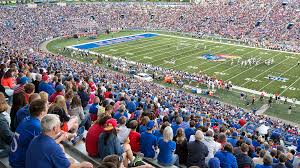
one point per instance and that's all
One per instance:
(279, 75)
(204, 62)
(212, 41)
(226, 61)
(184, 56)
(247, 70)
(266, 70)
(289, 86)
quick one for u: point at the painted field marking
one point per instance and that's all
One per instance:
(279, 75)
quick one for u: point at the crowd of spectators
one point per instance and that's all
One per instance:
(48, 98)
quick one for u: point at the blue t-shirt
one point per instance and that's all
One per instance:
(21, 114)
(157, 134)
(142, 129)
(148, 142)
(44, 152)
(188, 132)
(94, 108)
(46, 87)
(118, 115)
(232, 141)
(166, 150)
(175, 128)
(26, 131)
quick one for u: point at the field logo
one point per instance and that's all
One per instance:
(218, 57)
(276, 78)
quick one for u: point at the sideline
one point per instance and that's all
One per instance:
(43, 47)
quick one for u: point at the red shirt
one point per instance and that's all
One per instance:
(135, 143)
(53, 96)
(106, 94)
(242, 122)
(91, 141)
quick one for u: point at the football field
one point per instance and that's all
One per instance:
(247, 67)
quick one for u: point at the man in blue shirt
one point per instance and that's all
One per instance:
(26, 131)
(148, 141)
(233, 139)
(45, 152)
(190, 131)
(24, 111)
(46, 86)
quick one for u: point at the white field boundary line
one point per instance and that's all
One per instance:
(150, 46)
(259, 93)
(144, 45)
(133, 62)
(266, 70)
(212, 41)
(163, 54)
(111, 39)
(246, 70)
(155, 51)
(289, 86)
(228, 60)
(204, 62)
(193, 49)
(279, 75)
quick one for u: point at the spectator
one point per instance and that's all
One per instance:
(94, 109)
(181, 146)
(177, 125)
(6, 134)
(76, 109)
(45, 86)
(134, 137)
(212, 145)
(233, 139)
(191, 130)
(197, 151)
(149, 141)
(59, 90)
(92, 137)
(24, 111)
(20, 87)
(123, 131)
(8, 80)
(44, 149)
(267, 162)
(227, 159)
(109, 142)
(19, 101)
(84, 97)
(214, 163)
(282, 159)
(259, 159)
(29, 89)
(167, 147)
(26, 131)
(243, 160)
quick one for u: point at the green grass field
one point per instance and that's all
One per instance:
(187, 52)
(184, 54)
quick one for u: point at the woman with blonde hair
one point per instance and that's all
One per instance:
(44, 96)
(68, 124)
(167, 147)
(6, 134)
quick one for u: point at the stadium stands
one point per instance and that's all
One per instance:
(128, 111)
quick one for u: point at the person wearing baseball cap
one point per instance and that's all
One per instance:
(59, 91)
(20, 87)
(109, 142)
(148, 141)
(45, 86)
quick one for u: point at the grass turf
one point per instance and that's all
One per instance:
(186, 52)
